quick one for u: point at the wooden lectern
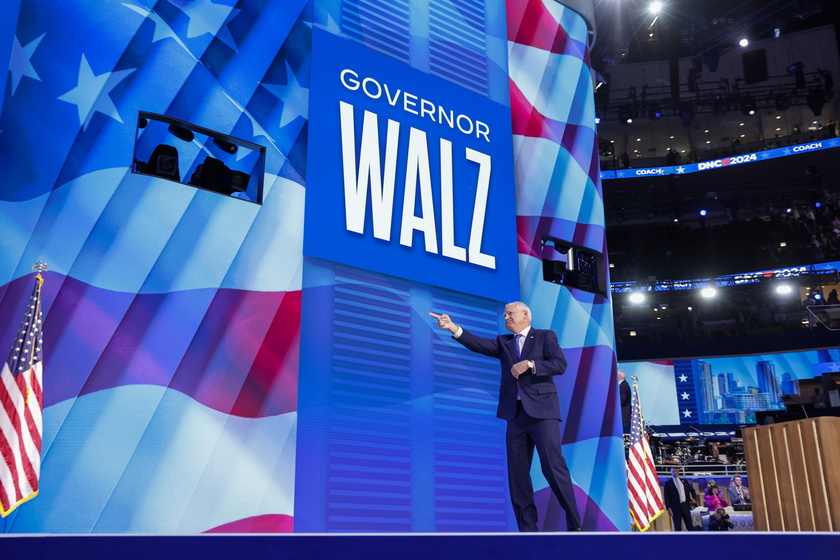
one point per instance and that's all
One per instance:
(794, 474)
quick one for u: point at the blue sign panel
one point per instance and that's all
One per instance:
(407, 174)
(814, 146)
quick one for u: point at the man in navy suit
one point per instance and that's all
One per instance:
(530, 358)
(680, 498)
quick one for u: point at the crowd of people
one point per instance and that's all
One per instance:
(681, 498)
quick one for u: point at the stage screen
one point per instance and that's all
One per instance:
(727, 390)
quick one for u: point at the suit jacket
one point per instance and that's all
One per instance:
(625, 393)
(672, 495)
(537, 389)
(733, 495)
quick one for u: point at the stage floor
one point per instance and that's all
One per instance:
(481, 546)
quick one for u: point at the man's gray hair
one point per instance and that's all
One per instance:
(521, 305)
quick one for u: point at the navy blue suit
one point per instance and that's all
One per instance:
(533, 420)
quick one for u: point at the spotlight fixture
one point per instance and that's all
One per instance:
(748, 106)
(626, 114)
(226, 146)
(744, 42)
(782, 102)
(162, 163)
(637, 297)
(216, 176)
(181, 133)
(554, 271)
(708, 293)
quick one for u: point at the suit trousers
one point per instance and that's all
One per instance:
(523, 435)
(682, 513)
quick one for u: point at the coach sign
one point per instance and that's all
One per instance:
(407, 174)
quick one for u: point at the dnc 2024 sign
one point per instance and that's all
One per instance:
(407, 174)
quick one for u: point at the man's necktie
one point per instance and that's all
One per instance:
(518, 338)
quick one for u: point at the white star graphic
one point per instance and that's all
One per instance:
(787, 151)
(765, 155)
(834, 367)
(331, 25)
(205, 16)
(683, 378)
(687, 413)
(20, 65)
(680, 170)
(685, 396)
(162, 29)
(91, 95)
(294, 97)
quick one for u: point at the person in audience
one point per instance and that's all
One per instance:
(719, 521)
(714, 499)
(679, 500)
(738, 493)
(818, 400)
(625, 394)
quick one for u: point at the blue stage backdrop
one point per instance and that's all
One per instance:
(212, 364)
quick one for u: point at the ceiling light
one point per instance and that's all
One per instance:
(637, 297)
(743, 42)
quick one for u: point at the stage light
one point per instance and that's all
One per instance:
(162, 163)
(708, 293)
(554, 271)
(703, 212)
(655, 7)
(181, 133)
(226, 146)
(597, 120)
(748, 106)
(626, 114)
(218, 177)
(637, 297)
(743, 42)
(783, 289)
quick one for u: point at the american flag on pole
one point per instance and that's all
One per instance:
(642, 482)
(21, 401)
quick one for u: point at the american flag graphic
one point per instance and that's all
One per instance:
(21, 397)
(642, 482)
